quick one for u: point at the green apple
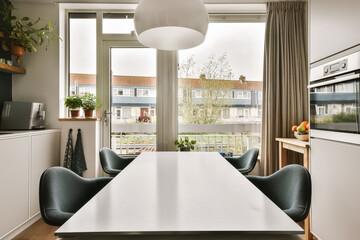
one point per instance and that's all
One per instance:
(301, 129)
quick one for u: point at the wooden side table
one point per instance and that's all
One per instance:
(299, 146)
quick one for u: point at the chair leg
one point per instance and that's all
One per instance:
(308, 235)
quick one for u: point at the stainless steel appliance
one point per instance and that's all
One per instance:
(22, 116)
(335, 99)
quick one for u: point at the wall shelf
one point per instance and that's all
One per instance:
(11, 69)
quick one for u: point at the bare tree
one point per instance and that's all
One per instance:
(217, 68)
(187, 68)
(215, 94)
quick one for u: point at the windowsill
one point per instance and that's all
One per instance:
(80, 119)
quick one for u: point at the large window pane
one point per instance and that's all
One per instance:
(220, 88)
(133, 101)
(118, 23)
(82, 53)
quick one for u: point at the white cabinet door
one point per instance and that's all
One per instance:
(335, 179)
(45, 149)
(14, 179)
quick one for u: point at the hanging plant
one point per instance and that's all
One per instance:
(23, 34)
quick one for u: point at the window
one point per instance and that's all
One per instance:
(118, 113)
(210, 94)
(196, 93)
(118, 23)
(260, 96)
(326, 89)
(143, 92)
(126, 112)
(240, 112)
(349, 108)
(84, 90)
(243, 95)
(226, 113)
(345, 87)
(219, 101)
(82, 53)
(246, 112)
(321, 110)
(134, 91)
(126, 92)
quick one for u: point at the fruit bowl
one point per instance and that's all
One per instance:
(302, 137)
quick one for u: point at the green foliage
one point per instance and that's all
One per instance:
(214, 100)
(90, 102)
(184, 144)
(73, 102)
(208, 109)
(24, 32)
(344, 117)
(6, 18)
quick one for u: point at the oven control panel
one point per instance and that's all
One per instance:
(336, 67)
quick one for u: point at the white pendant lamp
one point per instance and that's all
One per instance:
(171, 24)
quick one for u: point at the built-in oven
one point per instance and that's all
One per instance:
(335, 99)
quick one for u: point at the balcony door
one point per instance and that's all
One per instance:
(130, 97)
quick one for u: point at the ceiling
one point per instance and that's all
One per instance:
(132, 1)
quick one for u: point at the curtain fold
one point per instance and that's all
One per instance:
(285, 95)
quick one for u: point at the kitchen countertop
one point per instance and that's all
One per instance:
(7, 134)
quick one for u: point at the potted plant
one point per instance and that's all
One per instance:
(89, 103)
(5, 23)
(185, 145)
(74, 103)
(22, 34)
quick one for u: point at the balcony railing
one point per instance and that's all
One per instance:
(237, 144)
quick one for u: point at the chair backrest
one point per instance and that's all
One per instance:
(289, 188)
(62, 193)
(248, 160)
(111, 160)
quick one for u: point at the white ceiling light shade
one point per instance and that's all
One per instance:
(171, 24)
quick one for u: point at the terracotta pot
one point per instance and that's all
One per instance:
(75, 113)
(89, 113)
(17, 51)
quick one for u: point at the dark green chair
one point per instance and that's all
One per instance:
(289, 188)
(63, 192)
(246, 162)
(112, 163)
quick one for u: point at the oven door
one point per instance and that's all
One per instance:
(334, 104)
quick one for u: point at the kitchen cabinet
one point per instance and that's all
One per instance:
(14, 179)
(45, 150)
(335, 180)
(24, 157)
(333, 27)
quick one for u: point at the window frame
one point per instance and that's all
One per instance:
(215, 16)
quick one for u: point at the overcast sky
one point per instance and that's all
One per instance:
(243, 43)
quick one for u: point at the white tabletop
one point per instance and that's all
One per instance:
(179, 193)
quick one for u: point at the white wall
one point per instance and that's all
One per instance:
(334, 26)
(41, 84)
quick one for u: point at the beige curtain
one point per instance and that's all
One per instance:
(285, 97)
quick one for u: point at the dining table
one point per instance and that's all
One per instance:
(180, 195)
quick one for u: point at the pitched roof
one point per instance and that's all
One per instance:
(90, 79)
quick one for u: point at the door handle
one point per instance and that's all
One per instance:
(106, 115)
